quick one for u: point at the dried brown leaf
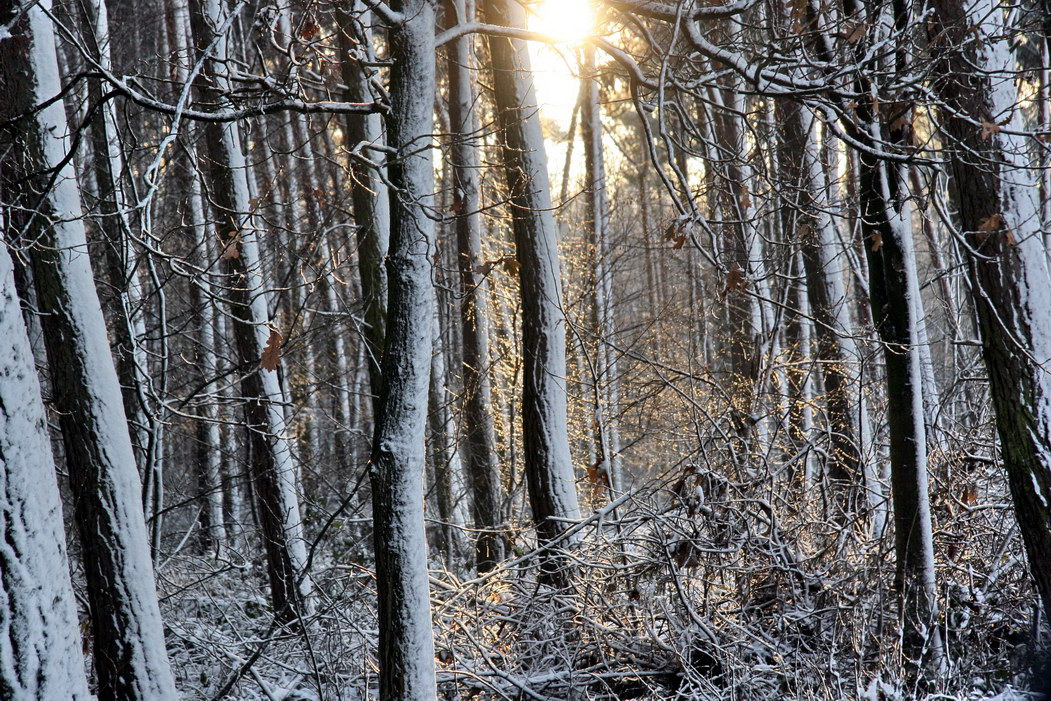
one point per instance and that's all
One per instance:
(991, 223)
(232, 248)
(989, 129)
(272, 353)
(511, 265)
(735, 280)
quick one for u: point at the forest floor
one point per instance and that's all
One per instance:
(664, 604)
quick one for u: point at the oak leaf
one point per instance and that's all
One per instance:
(272, 353)
(735, 280)
(877, 242)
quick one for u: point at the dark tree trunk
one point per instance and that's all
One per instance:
(369, 196)
(271, 466)
(1007, 264)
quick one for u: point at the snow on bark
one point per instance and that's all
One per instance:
(548, 467)
(130, 657)
(40, 646)
(273, 468)
(406, 646)
(371, 200)
(995, 192)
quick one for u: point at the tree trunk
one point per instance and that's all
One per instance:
(130, 657)
(548, 468)
(39, 636)
(607, 394)
(372, 206)
(893, 283)
(272, 468)
(483, 469)
(994, 192)
(406, 651)
(209, 449)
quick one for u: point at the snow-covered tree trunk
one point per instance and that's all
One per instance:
(995, 193)
(894, 291)
(371, 201)
(130, 657)
(607, 389)
(548, 468)
(893, 284)
(483, 469)
(112, 203)
(397, 467)
(40, 646)
(272, 467)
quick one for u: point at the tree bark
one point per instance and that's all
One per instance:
(39, 634)
(406, 651)
(548, 468)
(130, 657)
(483, 468)
(993, 190)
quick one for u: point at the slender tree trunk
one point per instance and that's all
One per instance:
(372, 206)
(893, 284)
(109, 167)
(483, 469)
(130, 657)
(894, 291)
(548, 468)
(607, 382)
(994, 192)
(445, 456)
(209, 449)
(272, 468)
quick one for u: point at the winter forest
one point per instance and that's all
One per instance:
(493, 349)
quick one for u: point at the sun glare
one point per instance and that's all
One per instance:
(568, 21)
